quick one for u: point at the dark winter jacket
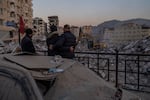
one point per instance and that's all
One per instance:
(27, 45)
(64, 43)
(51, 40)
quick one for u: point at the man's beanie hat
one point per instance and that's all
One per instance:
(28, 31)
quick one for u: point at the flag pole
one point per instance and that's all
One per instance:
(19, 37)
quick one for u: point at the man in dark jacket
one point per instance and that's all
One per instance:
(26, 42)
(52, 37)
(66, 43)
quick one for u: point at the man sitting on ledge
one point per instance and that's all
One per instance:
(26, 42)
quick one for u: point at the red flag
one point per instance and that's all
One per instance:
(21, 25)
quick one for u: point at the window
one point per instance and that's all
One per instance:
(26, 14)
(1, 22)
(34, 21)
(11, 34)
(1, 11)
(12, 14)
(26, 1)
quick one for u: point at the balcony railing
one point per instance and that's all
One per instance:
(131, 71)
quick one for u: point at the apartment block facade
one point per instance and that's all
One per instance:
(39, 26)
(87, 29)
(75, 30)
(11, 10)
(53, 20)
(125, 33)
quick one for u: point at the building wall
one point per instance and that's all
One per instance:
(39, 26)
(75, 30)
(53, 20)
(11, 10)
(125, 33)
(108, 36)
(87, 29)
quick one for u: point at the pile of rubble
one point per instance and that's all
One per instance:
(140, 46)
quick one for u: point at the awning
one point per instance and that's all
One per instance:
(10, 39)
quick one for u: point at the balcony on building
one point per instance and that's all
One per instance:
(12, 14)
(12, 1)
(31, 4)
(2, 14)
(26, 5)
(12, 9)
(2, 17)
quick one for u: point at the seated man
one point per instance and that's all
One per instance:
(26, 42)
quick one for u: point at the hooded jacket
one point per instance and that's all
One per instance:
(51, 40)
(27, 44)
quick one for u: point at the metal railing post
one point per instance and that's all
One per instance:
(88, 62)
(116, 85)
(108, 69)
(125, 76)
(138, 74)
(98, 63)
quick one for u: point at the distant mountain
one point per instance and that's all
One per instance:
(99, 30)
(112, 23)
(139, 21)
(108, 24)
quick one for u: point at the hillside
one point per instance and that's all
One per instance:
(112, 23)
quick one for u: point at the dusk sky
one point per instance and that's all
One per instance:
(91, 12)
